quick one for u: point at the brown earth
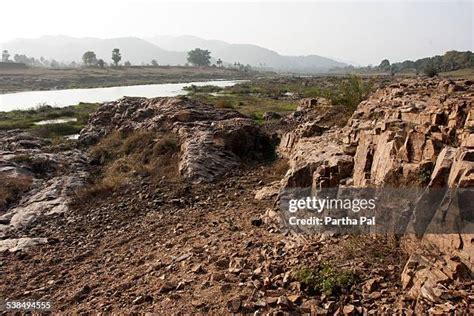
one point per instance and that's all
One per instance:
(174, 248)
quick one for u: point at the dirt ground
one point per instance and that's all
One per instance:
(175, 248)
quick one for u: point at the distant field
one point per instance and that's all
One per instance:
(49, 79)
(467, 73)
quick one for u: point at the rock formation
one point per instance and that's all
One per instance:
(212, 140)
(413, 134)
(36, 182)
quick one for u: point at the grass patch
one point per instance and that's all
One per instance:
(256, 97)
(26, 119)
(202, 89)
(466, 73)
(251, 105)
(56, 130)
(122, 157)
(325, 279)
(372, 248)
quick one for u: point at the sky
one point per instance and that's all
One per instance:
(353, 31)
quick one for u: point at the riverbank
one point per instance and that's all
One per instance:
(37, 79)
(75, 117)
(263, 100)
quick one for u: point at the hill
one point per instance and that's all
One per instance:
(167, 51)
(68, 49)
(248, 54)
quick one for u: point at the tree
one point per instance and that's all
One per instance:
(199, 57)
(393, 70)
(101, 63)
(89, 58)
(127, 64)
(385, 65)
(430, 70)
(54, 64)
(5, 56)
(24, 60)
(116, 56)
(154, 63)
(219, 62)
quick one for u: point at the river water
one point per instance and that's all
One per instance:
(61, 98)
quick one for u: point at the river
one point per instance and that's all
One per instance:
(61, 98)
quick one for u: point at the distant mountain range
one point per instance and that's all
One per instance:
(167, 50)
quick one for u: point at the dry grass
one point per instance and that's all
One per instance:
(467, 73)
(12, 189)
(122, 158)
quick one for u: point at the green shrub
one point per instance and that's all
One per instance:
(202, 89)
(325, 279)
(430, 70)
(56, 130)
(353, 91)
(224, 103)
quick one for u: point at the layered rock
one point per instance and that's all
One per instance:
(43, 181)
(212, 140)
(412, 134)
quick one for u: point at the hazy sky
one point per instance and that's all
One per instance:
(363, 32)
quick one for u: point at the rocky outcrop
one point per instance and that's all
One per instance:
(412, 134)
(20, 244)
(36, 182)
(316, 153)
(213, 141)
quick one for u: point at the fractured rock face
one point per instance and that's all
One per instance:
(47, 180)
(412, 134)
(213, 140)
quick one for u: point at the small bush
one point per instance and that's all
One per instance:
(430, 70)
(353, 91)
(107, 148)
(38, 165)
(91, 192)
(325, 279)
(137, 142)
(12, 189)
(257, 116)
(57, 130)
(123, 157)
(224, 104)
(166, 145)
(202, 89)
(425, 175)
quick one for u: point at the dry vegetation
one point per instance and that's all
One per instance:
(122, 157)
(12, 189)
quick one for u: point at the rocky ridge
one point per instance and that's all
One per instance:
(211, 139)
(411, 134)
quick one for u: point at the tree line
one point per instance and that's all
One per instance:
(197, 57)
(450, 61)
(35, 62)
(430, 66)
(90, 59)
